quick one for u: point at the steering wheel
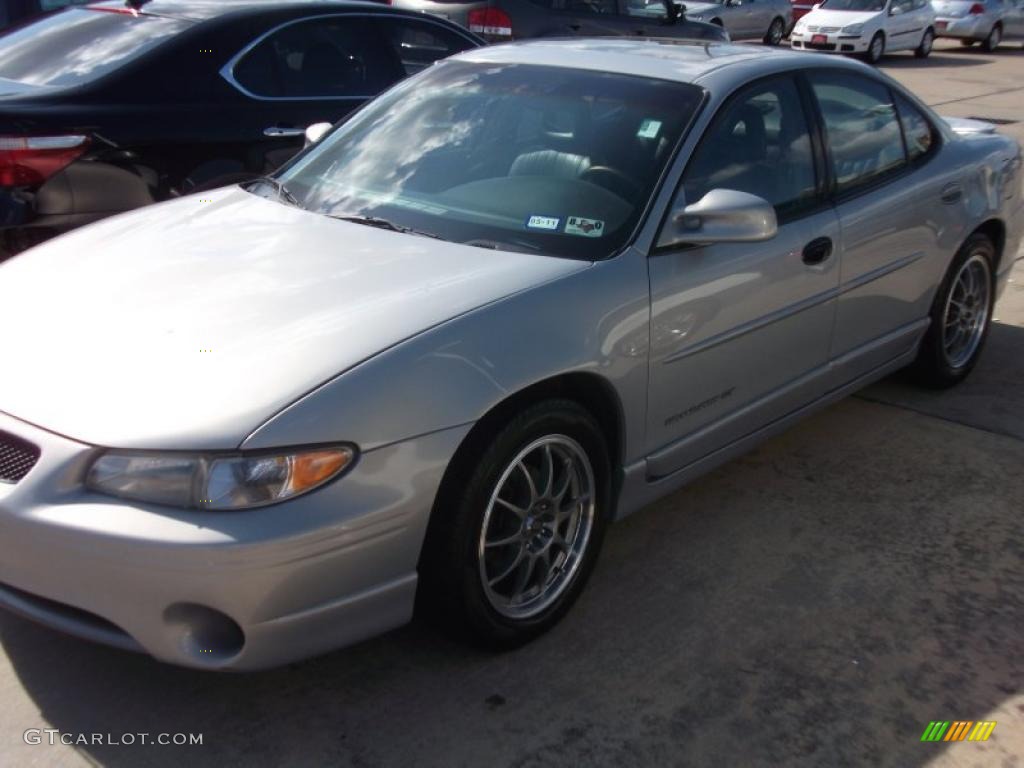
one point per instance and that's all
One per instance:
(613, 180)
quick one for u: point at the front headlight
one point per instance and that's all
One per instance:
(853, 29)
(232, 481)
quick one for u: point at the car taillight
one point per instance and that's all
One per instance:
(28, 161)
(490, 23)
(977, 9)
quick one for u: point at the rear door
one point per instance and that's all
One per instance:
(900, 218)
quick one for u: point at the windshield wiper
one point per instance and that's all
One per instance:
(279, 187)
(376, 221)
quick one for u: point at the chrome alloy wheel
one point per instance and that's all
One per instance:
(537, 526)
(776, 32)
(966, 312)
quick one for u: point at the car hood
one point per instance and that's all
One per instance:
(823, 17)
(188, 324)
(692, 9)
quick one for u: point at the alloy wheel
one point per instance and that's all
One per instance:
(967, 310)
(775, 32)
(536, 527)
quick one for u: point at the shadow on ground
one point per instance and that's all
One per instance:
(816, 602)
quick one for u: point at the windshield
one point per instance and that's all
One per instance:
(854, 5)
(541, 159)
(79, 45)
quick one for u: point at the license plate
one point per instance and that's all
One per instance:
(941, 24)
(819, 39)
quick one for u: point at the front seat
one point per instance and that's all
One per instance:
(550, 163)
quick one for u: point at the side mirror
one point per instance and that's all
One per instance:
(721, 216)
(895, 10)
(816, 6)
(315, 132)
(671, 11)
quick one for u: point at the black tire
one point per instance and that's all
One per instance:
(874, 53)
(451, 577)
(924, 48)
(776, 31)
(990, 43)
(933, 368)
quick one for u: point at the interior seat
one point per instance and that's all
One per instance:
(550, 163)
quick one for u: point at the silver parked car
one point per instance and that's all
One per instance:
(767, 20)
(518, 296)
(980, 21)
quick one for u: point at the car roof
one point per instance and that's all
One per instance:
(687, 61)
(202, 10)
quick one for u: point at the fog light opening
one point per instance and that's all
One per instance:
(205, 634)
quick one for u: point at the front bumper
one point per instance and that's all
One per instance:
(235, 590)
(830, 42)
(964, 28)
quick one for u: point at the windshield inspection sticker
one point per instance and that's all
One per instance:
(648, 129)
(577, 225)
(549, 223)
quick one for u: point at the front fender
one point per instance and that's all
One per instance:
(595, 320)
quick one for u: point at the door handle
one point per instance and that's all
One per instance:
(574, 27)
(951, 193)
(818, 250)
(640, 32)
(277, 132)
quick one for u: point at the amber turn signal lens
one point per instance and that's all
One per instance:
(311, 469)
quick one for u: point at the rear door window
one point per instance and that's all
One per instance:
(334, 57)
(80, 45)
(418, 44)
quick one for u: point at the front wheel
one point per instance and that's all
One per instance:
(519, 527)
(876, 49)
(775, 32)
(960, 317)
(925, 47)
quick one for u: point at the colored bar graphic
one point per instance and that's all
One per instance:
(958, 730)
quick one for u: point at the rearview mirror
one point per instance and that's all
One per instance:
(315, 132)
(721, 216)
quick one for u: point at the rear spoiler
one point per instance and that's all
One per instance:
(965, 126)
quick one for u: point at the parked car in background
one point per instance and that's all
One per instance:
(107, 108)
(527, 292)
(16, 11)
(801, 8)
(987, 22)
(871, 28)
(503, 20)
(766, 20)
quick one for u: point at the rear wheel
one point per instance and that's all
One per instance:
(519, 527)
(925, 47)
(876, 50)
(775, 32)
(960, 317)
(993, 39)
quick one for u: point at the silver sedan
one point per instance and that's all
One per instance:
(767, 20)
(987, 22)
(517, 297)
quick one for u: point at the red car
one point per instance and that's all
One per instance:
(801, 8)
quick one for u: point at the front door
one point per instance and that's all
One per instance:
(740, 333)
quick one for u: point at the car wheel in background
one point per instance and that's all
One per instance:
(960, 317)
(925, 47)
(775, 32)
(876, 50)
(992, 41)
(517, 527)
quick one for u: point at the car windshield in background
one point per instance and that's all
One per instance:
(854, 5)
(79, 45)
(540, 159)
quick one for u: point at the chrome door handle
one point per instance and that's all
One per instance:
(277, 132)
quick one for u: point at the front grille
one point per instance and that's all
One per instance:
(822, 29)
(17, 457)
(821, 46)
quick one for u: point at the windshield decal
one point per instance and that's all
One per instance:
(548, 223)
(577, 225)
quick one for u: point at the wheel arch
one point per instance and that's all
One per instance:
(995, 230)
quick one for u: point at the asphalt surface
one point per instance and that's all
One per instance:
(816, 602)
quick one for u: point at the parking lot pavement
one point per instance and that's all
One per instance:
(816, 602)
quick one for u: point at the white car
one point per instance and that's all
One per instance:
(868, 27)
